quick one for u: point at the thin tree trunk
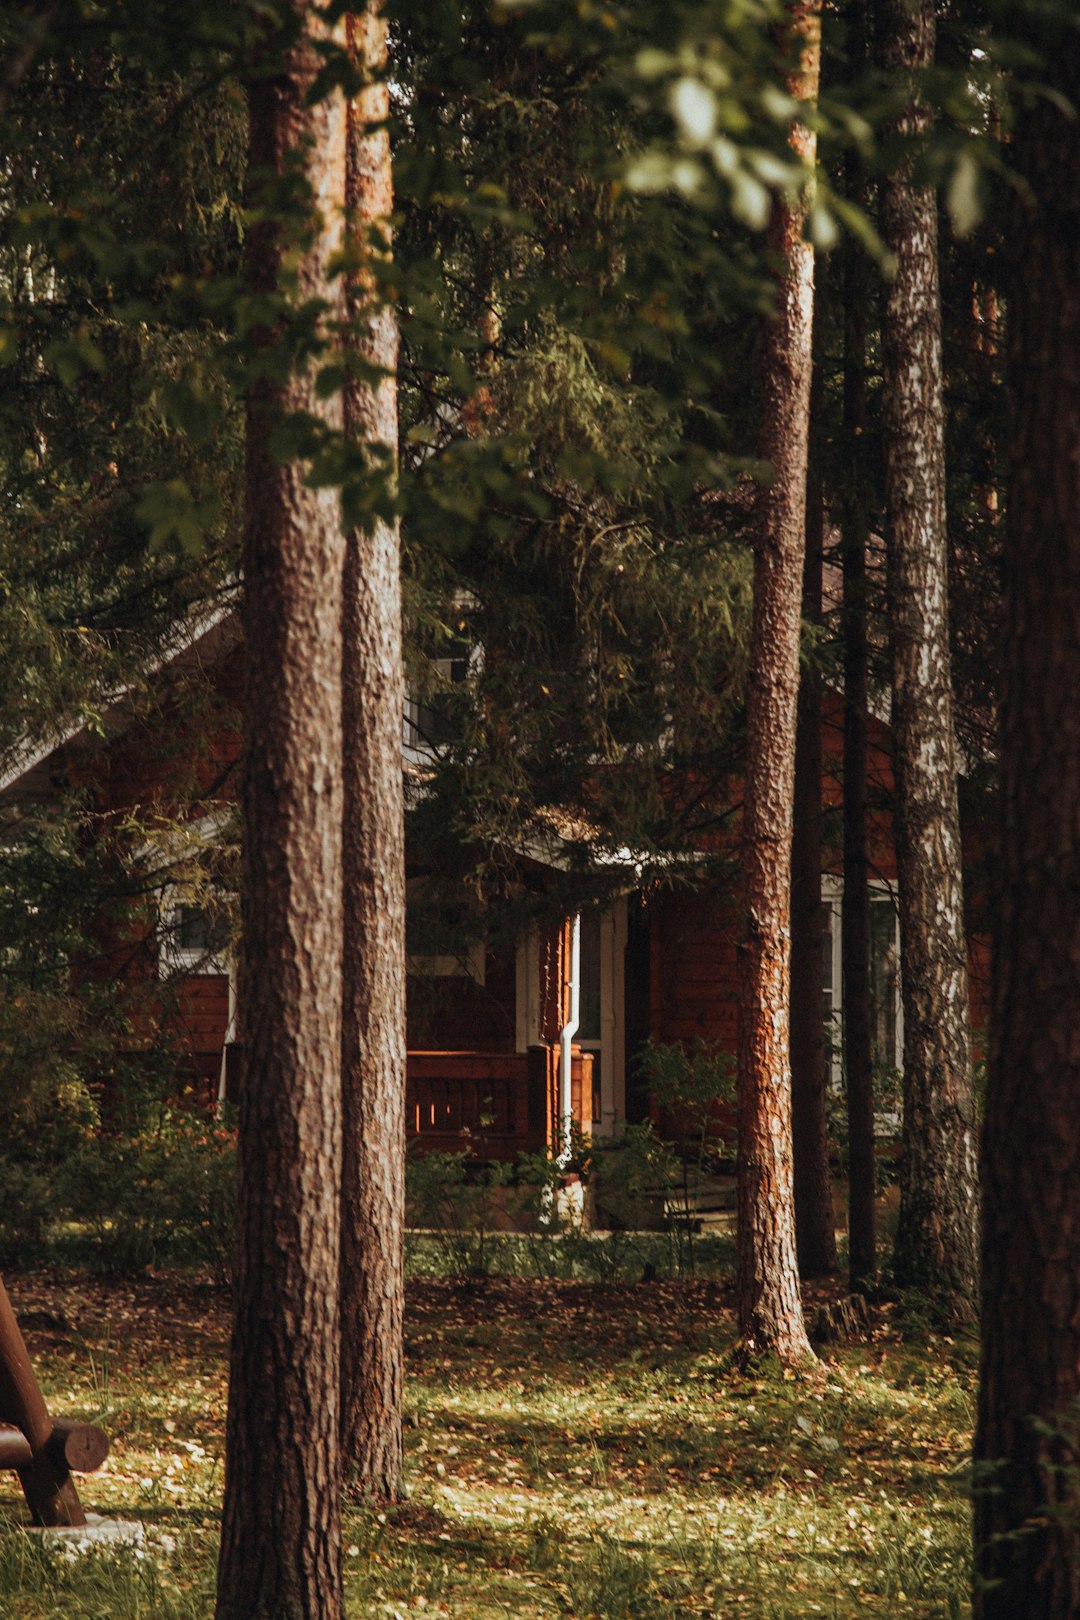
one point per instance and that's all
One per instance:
(815, 1231)
(281, 1553)
(1027, 1515)
(373, 1023)
(767, 1283)
(855, 906)
(936, 1236)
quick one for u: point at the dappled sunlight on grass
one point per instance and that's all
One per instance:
(573, 1450)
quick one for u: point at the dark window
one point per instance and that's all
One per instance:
(589, 978)
(430, 719)
(200, 930)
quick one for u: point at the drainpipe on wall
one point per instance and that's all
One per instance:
(566, 1037)
(230, 1035)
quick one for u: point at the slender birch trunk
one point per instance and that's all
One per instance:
(1027, 1516)
(373, 1024)
(767, 1283)
(281, 1541)
(936, 1237)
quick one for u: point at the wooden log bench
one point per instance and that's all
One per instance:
(43, 1452)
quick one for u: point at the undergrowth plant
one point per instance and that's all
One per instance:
(456, 1199)
(164, 1193)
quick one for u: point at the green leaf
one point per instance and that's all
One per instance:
(330, 380)
(172, 514)
(72, 357)
(191, 409)
(962, 197)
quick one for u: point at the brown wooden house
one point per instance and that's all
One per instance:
(503, 1044)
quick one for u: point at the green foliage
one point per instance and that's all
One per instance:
(100, 351)
(586, 1217)
(149, 1581)
(165, 1193)
(888, 1086)
(695, 1084)
(621, 1584)
(563, 387)
(88, 981)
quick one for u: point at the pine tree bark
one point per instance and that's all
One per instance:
(936, 1236)
(855, 906)
(815, 1230)
(767, 1284)
(280, 1552)
(373, 1024)
(1027, 1518)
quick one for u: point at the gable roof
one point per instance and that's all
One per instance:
(197, 642)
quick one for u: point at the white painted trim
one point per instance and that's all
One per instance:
(566, 1039)
(611, 1046)
(832, 894)
(230, 1035)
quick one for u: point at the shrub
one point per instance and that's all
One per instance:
(167, 1192)
(27, 1212)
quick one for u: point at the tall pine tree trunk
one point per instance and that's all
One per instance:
(373, 1021)
(936, 1237)
(815, 1231)
(280, 1552)
(1027, 1518)
(855, 906)
(767, 1283)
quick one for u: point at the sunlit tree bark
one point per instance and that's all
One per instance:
(373, 1025)
(767, 1283)
(280, 1551)
(936, 1236)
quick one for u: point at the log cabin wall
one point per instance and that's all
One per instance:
(457, 1013)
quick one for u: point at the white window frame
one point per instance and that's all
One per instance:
(176, 958)
(832, 894)
(417, 749)
(160, 854)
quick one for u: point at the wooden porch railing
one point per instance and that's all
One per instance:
(495, 1104)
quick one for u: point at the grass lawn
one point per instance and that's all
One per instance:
(574, 1449)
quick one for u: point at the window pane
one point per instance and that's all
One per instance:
(884, 982)
(200, 929)
(827, 952)
(589, 1020)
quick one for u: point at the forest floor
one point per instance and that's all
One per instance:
(574, 1450)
